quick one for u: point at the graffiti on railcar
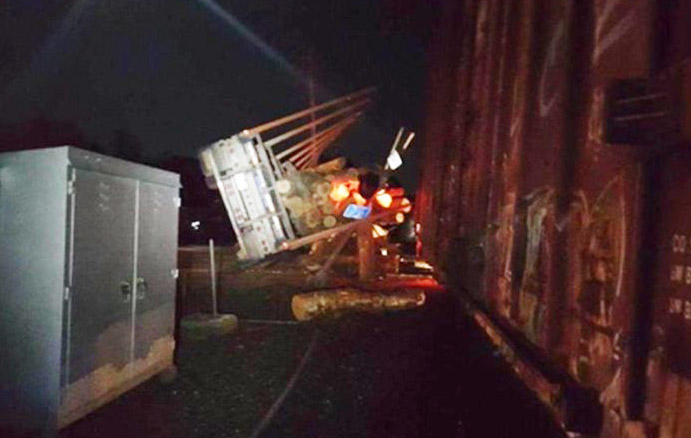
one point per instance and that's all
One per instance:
(596, 119)
(532, 309)
(549, 93)
(543, 152)
(600, 231)
(508, 224)
(503, 243)
(611, 25)
(604, 223)
(566, 275)
(602, 253)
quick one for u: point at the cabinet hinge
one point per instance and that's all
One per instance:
(178, 202)
(66, 295)
(70, 183)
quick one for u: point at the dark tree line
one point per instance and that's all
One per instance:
(42, 132)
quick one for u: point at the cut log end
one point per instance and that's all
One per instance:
(283, 186)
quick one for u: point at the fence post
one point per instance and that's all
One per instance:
(212, 263)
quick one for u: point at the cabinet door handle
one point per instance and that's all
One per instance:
(126, 291)
(142, 287)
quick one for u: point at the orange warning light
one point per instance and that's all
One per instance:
(384, 199)
(339, 192)
(359, 200)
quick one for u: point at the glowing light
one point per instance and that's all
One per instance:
(418, 228)
(400, 218)
(359, 200)
(383, 199)
(339, 192)
(384, 252)
(378, 231)
(196, 225)
(407, 206)
(421, 264)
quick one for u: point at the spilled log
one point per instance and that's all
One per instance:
(319, 304)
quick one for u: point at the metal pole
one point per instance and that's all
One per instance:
(269, 125)
(321, 147)
(307, 153)
(212, 263)
(302, 241)
(408, 140)
(328, 139)
(293, 132)
(344, 238)
(322, 140)
(395, 142)
(306, 143)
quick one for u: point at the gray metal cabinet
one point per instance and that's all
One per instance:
(87, 281)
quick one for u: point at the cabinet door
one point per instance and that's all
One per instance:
(156, 261)
(100, 326)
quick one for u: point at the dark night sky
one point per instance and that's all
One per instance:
(179, 74)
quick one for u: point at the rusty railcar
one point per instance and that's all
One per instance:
(554, 193)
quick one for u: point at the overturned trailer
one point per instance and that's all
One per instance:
(555, 183)
(246, 170)
(276, 194)
(278, 197)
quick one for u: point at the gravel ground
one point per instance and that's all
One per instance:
(420, 373)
